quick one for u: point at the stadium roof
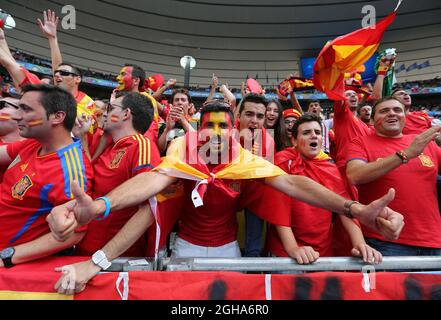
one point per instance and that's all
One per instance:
(232, 38)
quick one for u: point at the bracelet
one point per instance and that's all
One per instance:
(347, 208)
(382, 70)
(403, 156)
(107, 211)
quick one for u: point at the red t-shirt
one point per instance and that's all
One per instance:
(34, 184)
(311, 226)
(415, 185)
(215, 223)
(417, 122)
(119, 162)
(346, 127)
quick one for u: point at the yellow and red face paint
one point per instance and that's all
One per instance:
(125, 79)
(34, 123)
(114, 118)
(5, 116)
(216, 119)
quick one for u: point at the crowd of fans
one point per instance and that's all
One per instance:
(85, 177)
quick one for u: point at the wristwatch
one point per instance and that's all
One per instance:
(403, 156)
(6, 256)
(99, 258)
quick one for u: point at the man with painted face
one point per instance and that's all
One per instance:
(214, 192)
(40, 174)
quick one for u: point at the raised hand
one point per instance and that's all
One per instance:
(49, 27)
(421, 141)
(62, 221)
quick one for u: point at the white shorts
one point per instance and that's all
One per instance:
(185, 249)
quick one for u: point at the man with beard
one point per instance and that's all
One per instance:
(364, 113)
(40, 174)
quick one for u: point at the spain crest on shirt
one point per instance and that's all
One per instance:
(426, 160)
(20, 188)
(117, 159)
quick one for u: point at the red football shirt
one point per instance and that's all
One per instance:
(417, 122)
(346, 127)
(415, 185)
(311, 226)
(119, 162)
(34, 184)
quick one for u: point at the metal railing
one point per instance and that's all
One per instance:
(269, 265)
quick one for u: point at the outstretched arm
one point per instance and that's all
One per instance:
(41, 247)
(375, 215)
(158, 93)
(360, 172)
(49, 29)
(64, 219)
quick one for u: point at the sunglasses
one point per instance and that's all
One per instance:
(64, 73)
(110, 107)
(4, 104)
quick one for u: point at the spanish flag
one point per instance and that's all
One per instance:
(345, 54)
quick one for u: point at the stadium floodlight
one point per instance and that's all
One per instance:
(188, 63)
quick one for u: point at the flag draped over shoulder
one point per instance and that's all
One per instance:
(183, 161)
(345, 54)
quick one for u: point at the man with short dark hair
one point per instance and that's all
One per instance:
(130, 153)
(410, 164)
(40, 174)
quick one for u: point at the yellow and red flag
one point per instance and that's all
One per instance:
(345, 54)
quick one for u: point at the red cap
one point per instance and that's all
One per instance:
(291, 113)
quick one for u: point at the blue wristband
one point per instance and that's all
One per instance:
(107, 211)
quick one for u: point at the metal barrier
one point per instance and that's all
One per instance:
(274, 264)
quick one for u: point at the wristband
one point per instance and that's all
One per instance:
(382, 70)
(347, 208)
(403, 156)
(107, 211)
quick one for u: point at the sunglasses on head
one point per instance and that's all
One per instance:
(66, 73)
(4, 104)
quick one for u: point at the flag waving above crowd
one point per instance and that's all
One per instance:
(345, 54)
